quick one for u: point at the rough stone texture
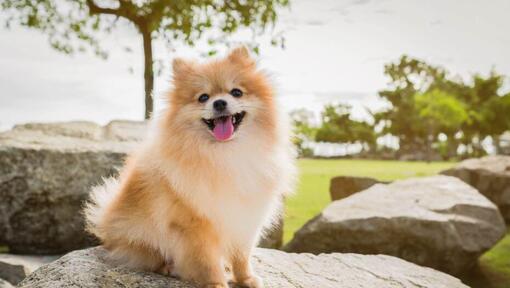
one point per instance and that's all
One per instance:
(117, 130)
(14, 268)
(90, 268)
(46, 171)
(122, 130)
(491, 176)
(5, 284)
(344, 186)
(437, 221)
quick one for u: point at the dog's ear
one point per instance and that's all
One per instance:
(182, 67)
(241, 56)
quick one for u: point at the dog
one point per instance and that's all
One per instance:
(197, 194)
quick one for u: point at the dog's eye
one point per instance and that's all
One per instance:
(203, 98)
(236, 92)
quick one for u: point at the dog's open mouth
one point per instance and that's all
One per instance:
(223, 127)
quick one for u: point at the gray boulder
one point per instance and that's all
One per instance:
(5, 284)
(122, 130)
(344, 186)
(116, 130)
(46, 171)
(437, 221)
(90, 268)
(14, 268)
(491, 176)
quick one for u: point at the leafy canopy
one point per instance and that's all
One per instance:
(338, 127)
(441, 109)
(72, 25)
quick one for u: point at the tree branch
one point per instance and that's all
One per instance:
(126, 10)
(95, 9)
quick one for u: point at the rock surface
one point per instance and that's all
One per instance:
(90, 268)
(46, 171)
(491, 176)
(5, 284)
(14, 268)
(437, 221)
(344, 186)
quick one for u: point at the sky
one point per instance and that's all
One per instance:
(335, 52)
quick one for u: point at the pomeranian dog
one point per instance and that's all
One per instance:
(198, 193)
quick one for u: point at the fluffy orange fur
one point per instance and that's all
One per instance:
(187, 204)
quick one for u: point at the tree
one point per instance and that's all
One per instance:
(440, 112)
(303, 130)
(338, 127)
(407, 77)
(496, 118)
(426, 101)
(488, 111)
(72, 25)
(335, 119)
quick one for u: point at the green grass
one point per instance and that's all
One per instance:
(312, 196)
(312, 193)
(497, 259)
(493, 270)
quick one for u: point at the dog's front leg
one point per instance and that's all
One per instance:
(242, 271)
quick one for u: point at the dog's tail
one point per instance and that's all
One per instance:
(100, 198)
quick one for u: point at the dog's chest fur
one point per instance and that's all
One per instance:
(238, 191)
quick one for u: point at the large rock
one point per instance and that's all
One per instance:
(437, 221)
(491, 176)
(46, 171)
(90, 268)
(5, 284)
(344, 186)
(14, 268)
(116, 130)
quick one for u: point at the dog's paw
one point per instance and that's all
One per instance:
(166, 269)
(251, 282)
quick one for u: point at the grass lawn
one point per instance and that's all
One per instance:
(312, 196)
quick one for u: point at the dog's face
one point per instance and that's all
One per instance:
(221, 100)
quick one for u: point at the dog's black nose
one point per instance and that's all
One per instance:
(220, 105)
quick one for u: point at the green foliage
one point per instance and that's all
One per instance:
(440, 110)
(72, 25)
(407, 77)
(303, 131)
(426, 101)
(338, 127)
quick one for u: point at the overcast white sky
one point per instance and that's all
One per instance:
(335, 52)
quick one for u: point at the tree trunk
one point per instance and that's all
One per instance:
(148, 70)
(497, 144)
(429, 142)
(452, 145)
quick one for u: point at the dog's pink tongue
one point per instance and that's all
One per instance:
(223, 128)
